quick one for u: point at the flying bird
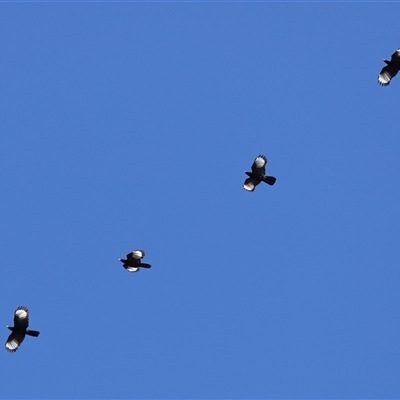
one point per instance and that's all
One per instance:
(257, 174)
(19, 330)
(390, 70)
(133, 261)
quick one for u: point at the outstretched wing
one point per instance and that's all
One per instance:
(387, 74)
(131, 268)
(250, 184)
(259, 163)
(396, 57)
(136, 255)
(21, 318)
(14, 340)
(270, 180)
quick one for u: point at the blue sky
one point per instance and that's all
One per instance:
(129, 126)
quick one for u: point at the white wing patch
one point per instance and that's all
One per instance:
(138, 254)
(21, 313)
(14, 341)
(260, 161)
(132, 269)
(249, 186)
(384, 78)
(12, 345)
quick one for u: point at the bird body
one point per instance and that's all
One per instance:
(19, 330)
(391, 69)
(257, 174)
(133, 261)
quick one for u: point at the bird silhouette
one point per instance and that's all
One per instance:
(391, 69)
(257, 174)
(133, 261)
(19, 330)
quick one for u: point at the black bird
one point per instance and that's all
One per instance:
(390, 70)
(257, 174)
(134, 261)
(19, 330)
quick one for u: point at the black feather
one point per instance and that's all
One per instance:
(19, 330)
(257, 174)
(390, 70)
(133, 261)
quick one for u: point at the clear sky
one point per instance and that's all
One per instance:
(129, 126)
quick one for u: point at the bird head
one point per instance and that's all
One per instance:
(248, 173)
(386, 62)
(9, 327)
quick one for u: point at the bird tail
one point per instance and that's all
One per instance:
(144, 265)
(32, 333)
(269, 179)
